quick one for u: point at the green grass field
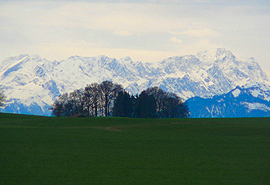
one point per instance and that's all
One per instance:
(47, 150)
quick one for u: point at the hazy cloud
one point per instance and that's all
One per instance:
(176, 40)
(203, 32)
(144, 30)
(122, 32)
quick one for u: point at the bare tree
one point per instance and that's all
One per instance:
(109, 92)
(92, 99)
(77, 99)
(59, 106)
(2, 98)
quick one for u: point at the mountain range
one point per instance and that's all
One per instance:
(245, 101)
(32, 83)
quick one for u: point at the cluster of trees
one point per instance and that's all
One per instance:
(110, 99)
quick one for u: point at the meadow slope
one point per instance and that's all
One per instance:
(49, 150)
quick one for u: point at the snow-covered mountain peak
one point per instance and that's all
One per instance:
(239, 102)
(35, 57)
(24, 66)
(32, 79)
(102, 58)
(126, 59)
(222, 53)
(216, 55)
(75, 57)
(256, 90)
(257, 85)
(236, 92)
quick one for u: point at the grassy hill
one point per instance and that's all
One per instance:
(47, 150)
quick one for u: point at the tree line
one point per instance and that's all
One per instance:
(111, 99)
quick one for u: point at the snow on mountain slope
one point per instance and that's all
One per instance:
(207, 73)
(32, 81)
(251, 101)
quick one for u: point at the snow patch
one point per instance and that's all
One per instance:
(37, 80)
(236, 93)
(256, 106)
(255, 93)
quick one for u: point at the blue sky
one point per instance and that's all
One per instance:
(146, 30)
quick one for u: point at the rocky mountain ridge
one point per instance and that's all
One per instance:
(245, 101)
(32, 83)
